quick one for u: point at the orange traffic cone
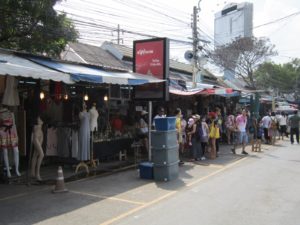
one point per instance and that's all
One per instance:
(60, 182)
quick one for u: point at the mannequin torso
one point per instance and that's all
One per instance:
(38, 135)
(93, 118)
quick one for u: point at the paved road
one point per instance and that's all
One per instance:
(263, 190)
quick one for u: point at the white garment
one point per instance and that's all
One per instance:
(266, 121)
(282, 120)
(143, 126)
(84, 136)
(157, 116)
(11, 95)
(94, 119)
(205, 134)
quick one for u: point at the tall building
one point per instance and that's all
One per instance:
(233, 21)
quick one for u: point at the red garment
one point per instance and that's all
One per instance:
(117, 124)
(8, 132)
(58, 91)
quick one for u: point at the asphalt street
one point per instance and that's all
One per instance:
(261, 188)
(264, 190)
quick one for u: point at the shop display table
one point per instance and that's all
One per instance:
(110, 148)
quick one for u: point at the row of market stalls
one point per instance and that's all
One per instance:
(95, 78)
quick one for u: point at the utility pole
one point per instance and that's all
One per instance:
(195, 42)
(118, 40)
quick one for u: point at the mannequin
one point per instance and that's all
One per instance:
(38, 154)
(9, 139)
(94, 118)
(84, 139)
(84, 135)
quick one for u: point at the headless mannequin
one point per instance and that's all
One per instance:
(9, 138)
(93, 118)
(38, 153)
(84, 139)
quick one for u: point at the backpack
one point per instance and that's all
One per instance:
(273, 124)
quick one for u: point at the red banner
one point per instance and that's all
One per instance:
(151, 57)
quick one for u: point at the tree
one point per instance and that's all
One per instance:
(243, 56)
(283, 78)
(34, 26)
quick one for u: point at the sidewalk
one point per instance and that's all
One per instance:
(96, 200)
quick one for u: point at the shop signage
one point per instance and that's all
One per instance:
(151, 57)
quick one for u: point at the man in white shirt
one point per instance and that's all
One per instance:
(160, 114)
(282, 119)
(266, 122)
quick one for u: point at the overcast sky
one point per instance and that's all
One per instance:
(97, 21)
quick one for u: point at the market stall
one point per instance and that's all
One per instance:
(76, 106)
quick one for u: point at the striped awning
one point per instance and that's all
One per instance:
(13, 65)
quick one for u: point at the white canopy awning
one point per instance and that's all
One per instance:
(16, 66)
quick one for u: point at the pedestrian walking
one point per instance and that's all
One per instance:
(214, 134)
(266, 122)
(294, 124)
(196, 142)
(230, 127)
(251, 129)
(241, 122)
(204, 137)
(282, 120)
(179, 131)
(273, 128)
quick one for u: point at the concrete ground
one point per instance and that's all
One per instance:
(104, 199)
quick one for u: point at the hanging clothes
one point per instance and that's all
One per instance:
(63, 141)
(11, 95)
(74, 143)
(84, 136)
(51, 149)
(8, 131)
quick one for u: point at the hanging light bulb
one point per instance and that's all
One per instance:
(66, 97)
(86, 97)
(42, 95)
(105, 98)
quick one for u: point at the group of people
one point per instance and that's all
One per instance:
(276, 125)
(200, 135)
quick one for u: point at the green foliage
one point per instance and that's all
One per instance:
(34, 26)
(284, 78)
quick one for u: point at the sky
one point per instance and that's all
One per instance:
(97, 21)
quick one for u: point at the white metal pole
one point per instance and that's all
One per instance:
(149, 130)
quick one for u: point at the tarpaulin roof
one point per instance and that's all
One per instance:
(16, 66)
(202, 89)
(96, 75)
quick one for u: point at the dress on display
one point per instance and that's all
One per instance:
(51, 149)
(11, 95)
(8, 131)
(84, 136)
